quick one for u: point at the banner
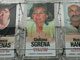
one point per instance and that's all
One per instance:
(72, 28)
(40, 39)
(7, 29)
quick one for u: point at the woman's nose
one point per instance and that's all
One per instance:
(38, 14)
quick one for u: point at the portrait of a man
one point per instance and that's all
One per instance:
(72, 24)
(4, 18)
(7, 19)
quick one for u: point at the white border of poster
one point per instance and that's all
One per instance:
(72, 35)
(41, 46)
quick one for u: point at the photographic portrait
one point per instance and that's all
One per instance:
(40, 21)
(7, 19)
(7, 29)
(72, 18)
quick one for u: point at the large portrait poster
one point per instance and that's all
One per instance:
(72, 28)
(7, 29)
(40, 39)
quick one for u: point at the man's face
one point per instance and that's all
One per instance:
(39, 15)
(5, 13)
(74, 13)
(4, 17)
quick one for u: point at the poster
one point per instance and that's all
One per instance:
(40, 39)
(72, 29)
(7, 29)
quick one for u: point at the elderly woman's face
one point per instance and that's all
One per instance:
(39, 15)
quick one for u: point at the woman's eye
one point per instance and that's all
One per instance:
(41, 12)
(34, 13)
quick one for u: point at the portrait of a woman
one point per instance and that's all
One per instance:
(41, 23)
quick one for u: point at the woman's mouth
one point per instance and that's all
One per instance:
(38, 19)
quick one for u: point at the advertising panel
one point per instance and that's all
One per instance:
(72, 28)
(40, 39)
(7, 29)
